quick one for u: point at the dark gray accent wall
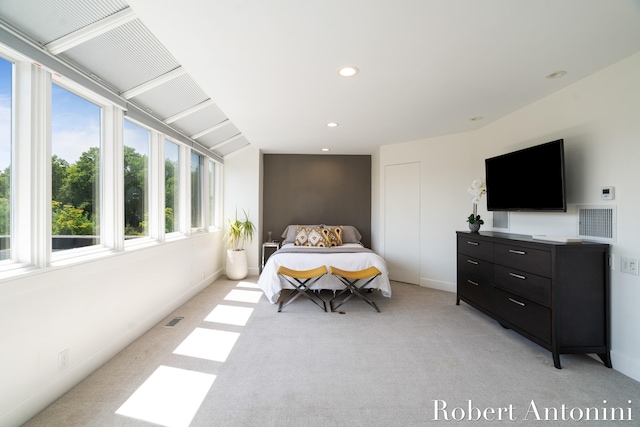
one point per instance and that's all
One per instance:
(316, 189)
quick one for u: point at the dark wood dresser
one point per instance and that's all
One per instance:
(555, 294)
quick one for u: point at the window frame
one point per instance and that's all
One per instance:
(214, 190)
(10, 260)
(201, 199)
(107, 175)
(31, 133)
(151, 219)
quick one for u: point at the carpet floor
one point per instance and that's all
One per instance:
(233, 360)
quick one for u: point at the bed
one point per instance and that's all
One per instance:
(337, 246)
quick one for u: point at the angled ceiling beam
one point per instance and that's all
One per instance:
(133, 92)
(90, 31)
(211, 129)
(226, 141)
(188, 111)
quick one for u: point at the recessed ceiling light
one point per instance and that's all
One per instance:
(332, 125)
(325, 149)
(348, 71)
(557, 74)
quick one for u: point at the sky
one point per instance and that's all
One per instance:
(75, 124)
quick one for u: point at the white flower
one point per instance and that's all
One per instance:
(477, 190)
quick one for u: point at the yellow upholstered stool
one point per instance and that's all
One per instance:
(302, 280)
(355, 282)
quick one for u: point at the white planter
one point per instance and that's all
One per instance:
(236, 267)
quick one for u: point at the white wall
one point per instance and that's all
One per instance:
(94, 309)
(242, 185)
(598, 119)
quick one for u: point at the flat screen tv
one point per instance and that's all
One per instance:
(531, 179)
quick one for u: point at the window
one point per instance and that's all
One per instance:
(196, 191)
(213, 193)
(171, 186)
(75, 169)
(6, 125)
(136, 180)
(89, 181)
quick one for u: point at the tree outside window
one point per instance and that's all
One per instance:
(136, 180)
(171, 185)
(75, 166)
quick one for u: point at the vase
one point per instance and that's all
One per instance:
(236, 267)
(474, 227)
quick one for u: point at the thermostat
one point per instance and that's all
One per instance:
(608, 193)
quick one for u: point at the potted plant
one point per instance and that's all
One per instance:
(477, 190)
(238, 233)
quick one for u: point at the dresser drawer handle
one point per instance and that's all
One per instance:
(517, 302)
(472, 282)
(470, 261)
(517, 276)
(513, 251)
(472, 243)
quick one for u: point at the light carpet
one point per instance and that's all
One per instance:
(421, 361)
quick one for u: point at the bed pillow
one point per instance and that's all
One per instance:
(350, 234)
(310, 236)
(332, 235)
(289, 233)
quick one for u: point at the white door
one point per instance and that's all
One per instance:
(402, 222)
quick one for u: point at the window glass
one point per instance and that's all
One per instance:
(196, 190)
(171, 185)
(75, 170)
(212, 194)
(6, 91)
(136, 180)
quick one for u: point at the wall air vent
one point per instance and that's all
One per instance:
(597, 222)
(501, 220)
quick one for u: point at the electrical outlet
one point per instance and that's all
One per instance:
(629, 265)
(63, 360)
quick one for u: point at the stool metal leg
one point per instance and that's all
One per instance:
(302, 287)
(353, 289)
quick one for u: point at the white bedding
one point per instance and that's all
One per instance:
(271, 284)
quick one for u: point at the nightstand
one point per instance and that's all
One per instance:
(268, 248)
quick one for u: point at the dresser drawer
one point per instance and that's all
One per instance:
(475, 291)
(534, 261)
(475, 268)
(526, 315)
(475, 248)
(528, 285)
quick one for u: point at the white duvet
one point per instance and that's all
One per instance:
(271, 284)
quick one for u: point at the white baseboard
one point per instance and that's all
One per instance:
(625, 365)
(438, 284)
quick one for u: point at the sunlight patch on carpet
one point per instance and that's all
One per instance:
(208, 344)
(243, 296)
(169, 397)
(230, 315)
(247, 285)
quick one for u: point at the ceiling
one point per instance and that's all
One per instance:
(234, 72)
(105, 40)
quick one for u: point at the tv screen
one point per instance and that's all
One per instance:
(531, 179)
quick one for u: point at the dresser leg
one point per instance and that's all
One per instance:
(606, 359)
(457, 301)
(556, 360)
